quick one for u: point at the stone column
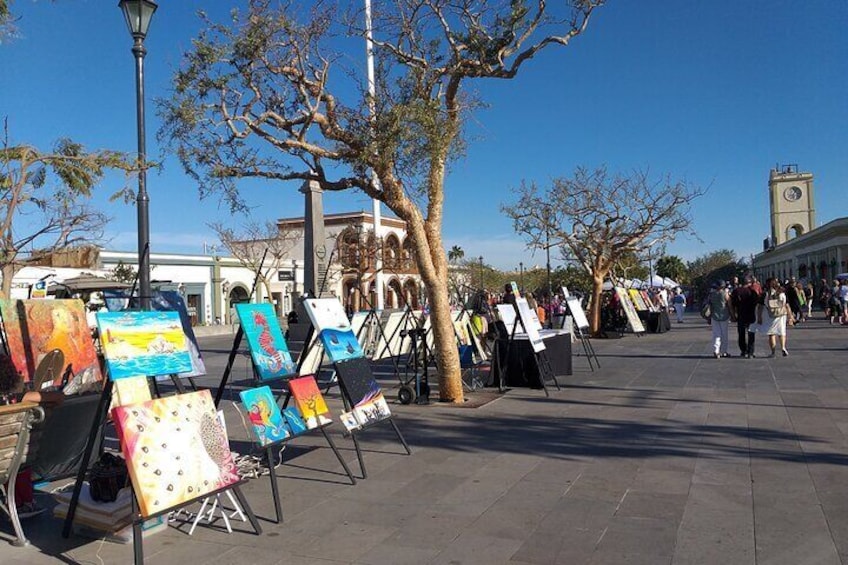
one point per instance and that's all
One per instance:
(314, 243)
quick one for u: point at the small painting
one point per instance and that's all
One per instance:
(34, 328)
(330, 321)
(268, 347)
(364, 393)
(294, 422)
(341, 345)
(175, 448)
(309, 401)
(143, 343)
(264, 415)
(349, 421)
(372, 412)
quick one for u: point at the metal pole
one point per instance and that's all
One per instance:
(375, 204)
(142, 199)
(548, 247)
(521, 274)
(481, 273)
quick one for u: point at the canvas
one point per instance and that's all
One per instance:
(309, 401)
(143, 343)
(267, 421)
(268, 348)
(525, 315)
(131, 390)
(629, 311)
(175, 448)
(349, 421)
(364, 393)
(330, 321)
(36, 327)
(294, 422)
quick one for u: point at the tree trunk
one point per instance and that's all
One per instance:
(8, 272)
(447, 355)
(595, 313)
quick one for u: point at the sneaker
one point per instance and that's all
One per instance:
(726, 355)
(29, 510)
(785, 353)
(716, 355)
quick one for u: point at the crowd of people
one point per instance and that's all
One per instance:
(768, 309)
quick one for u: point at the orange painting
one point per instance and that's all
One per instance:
(36, 327)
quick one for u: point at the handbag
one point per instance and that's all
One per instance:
(706, 311)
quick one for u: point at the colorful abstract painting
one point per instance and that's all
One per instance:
(36, 327)
(363, 392)
(309, 401)
(294, 422)
(264, 415)
(330, 321)
(143, 343)
(130, 390)
(268, 348)
(175, 448)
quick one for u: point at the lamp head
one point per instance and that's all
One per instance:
(138, 14)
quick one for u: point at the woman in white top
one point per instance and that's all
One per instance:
(771, 315)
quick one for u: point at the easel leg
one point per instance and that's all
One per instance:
(338, 456)
(359, 455)
(400, 436)
(96, 424)
(251, 517)
(272, 474)
(138, 536)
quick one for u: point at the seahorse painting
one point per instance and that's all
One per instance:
(268, 348)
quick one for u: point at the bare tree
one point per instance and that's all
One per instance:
(43, 201)
(273, 94)
(600, 219)
(249, 246)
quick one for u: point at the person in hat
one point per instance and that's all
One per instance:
(719, 300)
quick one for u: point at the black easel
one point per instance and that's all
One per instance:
(588, 349)
(543, 364)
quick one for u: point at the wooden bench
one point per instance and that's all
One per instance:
(16, 420)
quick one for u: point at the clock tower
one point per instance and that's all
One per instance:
(791, 199)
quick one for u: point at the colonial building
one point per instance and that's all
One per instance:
(797, 247)
(353, 249)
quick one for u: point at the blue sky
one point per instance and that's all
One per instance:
(714, 92)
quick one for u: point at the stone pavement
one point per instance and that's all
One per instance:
(663, 456)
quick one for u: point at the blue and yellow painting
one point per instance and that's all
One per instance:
(268, 347)
(264, 415)
(293, 420)
(341, 345)
(143, 343)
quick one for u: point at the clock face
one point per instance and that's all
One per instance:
(792, 193)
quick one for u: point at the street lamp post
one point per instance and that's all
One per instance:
(548, 247)
(521, 275)
(138, 14)
(481, 273)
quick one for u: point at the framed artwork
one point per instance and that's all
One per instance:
(309, 401)
(637, 299)
(577, 312)
(264, 415)
(34, 328)
(143, 343)
(336, 334)
(629, 311)
(175, 448)
(265, 339)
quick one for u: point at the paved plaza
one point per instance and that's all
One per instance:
(663, 456)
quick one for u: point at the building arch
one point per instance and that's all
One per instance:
(408, 256)
(411, 293)
(391, 252)
(351, 295)
(793, 231)
(394, 294)
(348, 246)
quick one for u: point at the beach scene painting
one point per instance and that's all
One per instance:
(143, 343)
(265, 339)
(330, 321)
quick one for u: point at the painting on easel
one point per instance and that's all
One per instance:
(268, 347)
(176, 449)
(366, 397)
(143, 343)
(264, 415)
(310, 402)
(34, 328)
(330, 321)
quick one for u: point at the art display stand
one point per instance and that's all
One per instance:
(99, 421)
(580, 324)
(546, 372)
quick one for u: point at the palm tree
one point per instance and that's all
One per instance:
(455, 254)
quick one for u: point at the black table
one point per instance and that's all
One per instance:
(522, 370)
(655, 322)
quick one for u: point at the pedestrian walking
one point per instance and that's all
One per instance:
(772, 315)
(679, 302)
(743, 308)
(719, 300)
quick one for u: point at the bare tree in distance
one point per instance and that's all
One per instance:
(598, 219)
(273, 93)
(248, 246)
(44, 201)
